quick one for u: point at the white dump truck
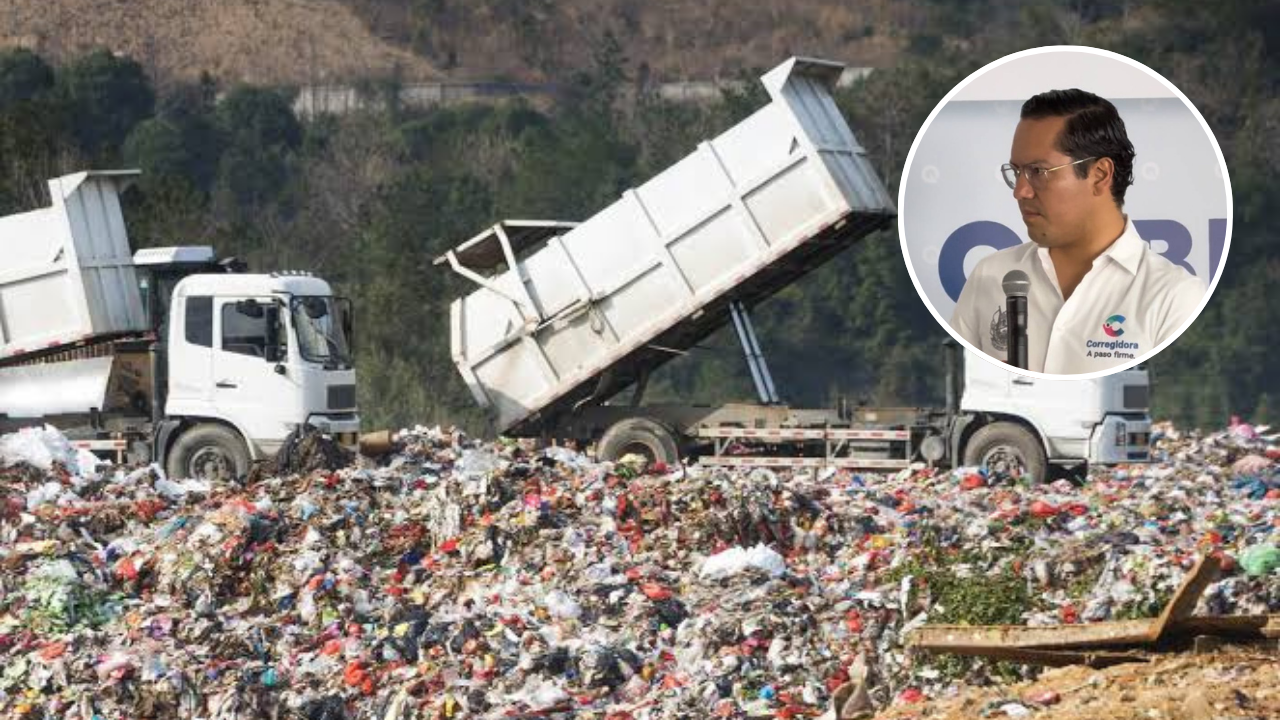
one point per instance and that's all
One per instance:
(167, 355)
(566, 316)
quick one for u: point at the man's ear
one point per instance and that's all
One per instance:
(1101, 175)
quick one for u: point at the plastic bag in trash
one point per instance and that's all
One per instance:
(42, 447)
(736, 560)
(1260, 560)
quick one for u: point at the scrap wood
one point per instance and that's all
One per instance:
(965, 638)
(851, 700)
(1183, 602)
(1230, 626)
(1205, 644)
(1110, 642)
(973, 639)
(1063, 658)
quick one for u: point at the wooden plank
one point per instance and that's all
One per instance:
(1183, 602)
(1060, 637)
(1052, 658)
(1230, 626)
(1209, 644)
(947, 637)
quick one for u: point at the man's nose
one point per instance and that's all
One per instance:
(1022, 188)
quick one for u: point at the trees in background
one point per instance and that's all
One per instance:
(369, 200)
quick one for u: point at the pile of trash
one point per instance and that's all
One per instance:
(464, 579)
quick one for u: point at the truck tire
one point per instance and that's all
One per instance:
(1008, 447)
(641, 436)
(208, 452)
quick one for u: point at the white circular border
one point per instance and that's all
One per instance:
(902, 203)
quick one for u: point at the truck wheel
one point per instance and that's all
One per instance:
(641, 436)
(1007, 447)
(208, 452)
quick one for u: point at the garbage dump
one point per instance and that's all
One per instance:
(464, 579)
(307, 449)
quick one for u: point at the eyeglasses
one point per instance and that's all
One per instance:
(1036, 175)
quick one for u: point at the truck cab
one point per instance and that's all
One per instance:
(1101, 420)
(259, 353)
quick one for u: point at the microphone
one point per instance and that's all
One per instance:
(1016, 287)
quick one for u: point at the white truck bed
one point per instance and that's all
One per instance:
(67, 273)
(567, 314)
(61, 388)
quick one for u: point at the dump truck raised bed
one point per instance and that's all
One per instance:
(165, 355)
(566, 316)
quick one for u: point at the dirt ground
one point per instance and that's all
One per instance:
(237, 41)
(1232, 686)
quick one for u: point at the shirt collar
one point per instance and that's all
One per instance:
(1126, 251)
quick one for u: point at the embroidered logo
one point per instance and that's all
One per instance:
(1112, 326)
(999, 329)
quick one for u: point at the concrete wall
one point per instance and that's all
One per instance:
(340, 99)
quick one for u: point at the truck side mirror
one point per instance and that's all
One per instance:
(348, 329)
(274, 350)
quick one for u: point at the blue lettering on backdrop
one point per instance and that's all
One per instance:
(1217, 242)
(986, 233)
(1172, 232)
(967, 237)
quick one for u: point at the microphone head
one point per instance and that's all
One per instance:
(1016, 283)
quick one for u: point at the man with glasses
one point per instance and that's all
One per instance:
(1100, 297)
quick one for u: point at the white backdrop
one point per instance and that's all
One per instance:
(956, 209)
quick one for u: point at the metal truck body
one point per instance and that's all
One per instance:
(68, 274)
(565, 316)
(165, 355)
(560, 305)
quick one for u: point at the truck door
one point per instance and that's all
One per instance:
(984, 384)
(248, 389)
(190, 356)
(1065, 410)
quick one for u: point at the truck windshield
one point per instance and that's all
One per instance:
(323, 325)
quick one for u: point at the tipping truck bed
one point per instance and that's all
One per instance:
(568, 315)
(67, 275)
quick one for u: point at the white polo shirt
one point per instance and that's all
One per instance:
(1129, 302)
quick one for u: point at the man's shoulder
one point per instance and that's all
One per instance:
(1002, 261)
(1165, 275)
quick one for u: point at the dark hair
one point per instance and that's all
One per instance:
(1093, 129)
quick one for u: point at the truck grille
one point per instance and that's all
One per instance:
(1135, 397)
(342, 397)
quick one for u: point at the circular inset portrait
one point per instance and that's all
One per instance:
(1065, 211)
